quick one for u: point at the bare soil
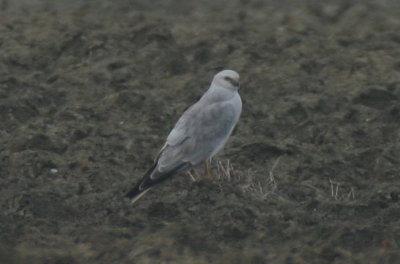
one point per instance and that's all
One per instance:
(90, 89)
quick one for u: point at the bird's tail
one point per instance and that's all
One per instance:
(144, 185)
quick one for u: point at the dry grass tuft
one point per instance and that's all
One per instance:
(250, 183)
(340, 194)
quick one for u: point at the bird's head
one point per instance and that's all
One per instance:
(228, 79)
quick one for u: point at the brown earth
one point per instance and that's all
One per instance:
(90, 89)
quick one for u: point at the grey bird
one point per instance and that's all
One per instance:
(200, 133)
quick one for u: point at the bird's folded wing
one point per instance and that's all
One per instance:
(199, 131)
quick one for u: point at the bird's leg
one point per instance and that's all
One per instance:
(191, 175)
(208, 170)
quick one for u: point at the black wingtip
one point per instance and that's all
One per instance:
(144, 185)
(133, 192)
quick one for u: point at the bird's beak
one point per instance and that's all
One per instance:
(235, 83)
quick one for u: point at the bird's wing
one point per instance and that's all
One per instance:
(198, 133)
(179, 132)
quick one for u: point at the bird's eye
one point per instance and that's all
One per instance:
(231, 81)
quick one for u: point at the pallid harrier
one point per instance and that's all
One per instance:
(199, 134)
